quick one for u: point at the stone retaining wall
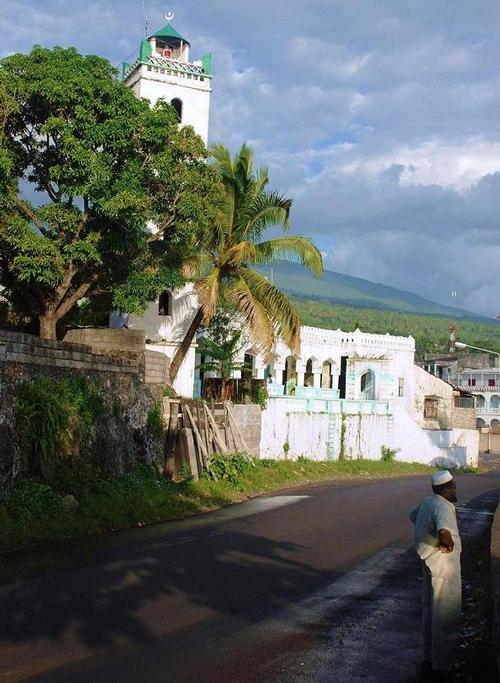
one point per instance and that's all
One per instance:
(119, 375)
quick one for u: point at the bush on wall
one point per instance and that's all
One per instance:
(54, 423)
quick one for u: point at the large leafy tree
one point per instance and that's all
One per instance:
(86, 171)
(234, 244)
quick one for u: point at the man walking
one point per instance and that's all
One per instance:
(439, 546)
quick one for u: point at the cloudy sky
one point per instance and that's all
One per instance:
(380, 117)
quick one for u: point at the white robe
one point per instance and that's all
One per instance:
(442, 584)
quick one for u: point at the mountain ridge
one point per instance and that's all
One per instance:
(338, 288)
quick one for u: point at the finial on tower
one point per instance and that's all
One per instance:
(169, 16)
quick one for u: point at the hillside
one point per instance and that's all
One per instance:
(430, 332)
(335, 288)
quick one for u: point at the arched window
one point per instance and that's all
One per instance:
(495, 401)
(480, 423)
(177, 105)
(368, 386)
(165, 303)
(290, 373)
(309, 375)
(495, 425)
(326, 375)
(247, 369)
(480, 401)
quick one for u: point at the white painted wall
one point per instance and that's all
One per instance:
(317, 435)
(165, 332)
(195, 95)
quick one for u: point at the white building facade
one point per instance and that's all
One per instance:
(358, 395)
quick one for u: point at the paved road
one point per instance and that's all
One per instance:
(313, 584)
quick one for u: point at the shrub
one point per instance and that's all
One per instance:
(229, 467)
(260, 395)
(54, 428)
(388, 454)
(155, 424)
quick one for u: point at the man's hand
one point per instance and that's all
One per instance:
(446, 544)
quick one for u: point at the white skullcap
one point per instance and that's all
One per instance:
(442, 477)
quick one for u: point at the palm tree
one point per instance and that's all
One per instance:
(223, 267)
(222, 359)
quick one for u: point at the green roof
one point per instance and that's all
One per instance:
(169, 31)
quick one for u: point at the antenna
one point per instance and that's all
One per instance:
(145, 18)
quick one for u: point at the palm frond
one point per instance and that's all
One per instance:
(254, 315)
(237, 254)
(267, 210)
(279, 310)
(243, 168)
(291, 248)
(222, 156)
(208, 290)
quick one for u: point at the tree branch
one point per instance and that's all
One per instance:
(78, 294)
(26, 210)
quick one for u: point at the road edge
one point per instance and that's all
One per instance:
(495, 581)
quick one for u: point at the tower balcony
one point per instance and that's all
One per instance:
(167, 67)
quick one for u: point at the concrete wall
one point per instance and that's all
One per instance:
(290, 430)
(108, 339)
(156, 368)
(165, 332)
(489, 442)
(195, 96)
(27, 349)
(248, 417)
(464, 418)
(427, 385)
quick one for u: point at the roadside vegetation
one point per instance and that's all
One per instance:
(36, 512)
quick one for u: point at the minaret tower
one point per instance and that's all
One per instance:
(163, 71)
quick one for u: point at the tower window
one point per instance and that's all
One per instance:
(177, 105)
(165, 303)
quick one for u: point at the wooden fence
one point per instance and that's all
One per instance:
(195, 431)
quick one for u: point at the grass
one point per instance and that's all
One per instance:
(35, 513)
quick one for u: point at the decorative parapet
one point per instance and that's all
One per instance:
(171, 67)
(339, 337)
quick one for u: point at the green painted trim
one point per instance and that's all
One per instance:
(206, 60)
(168, 31)
(145, 50)
(146, 62)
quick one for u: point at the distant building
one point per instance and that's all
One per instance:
(477, 373)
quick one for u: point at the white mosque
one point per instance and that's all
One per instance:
(347, 391)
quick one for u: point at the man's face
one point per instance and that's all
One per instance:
(450, 492)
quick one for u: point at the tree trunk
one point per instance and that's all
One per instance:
(48, 323)
(181, 352)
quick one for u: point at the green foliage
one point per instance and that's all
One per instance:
(224, 325)
(34, 512)
(168, 392)
(286, 448)
(221, 354)
(233, 245)
(430, 332)
(54, 427)
(260, 395)
(229, 467)
(104, 164)
(388, 454)
(155, 424)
